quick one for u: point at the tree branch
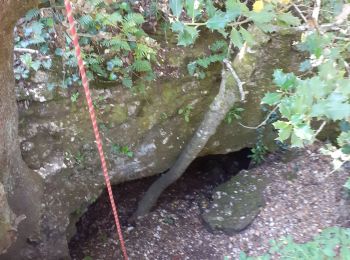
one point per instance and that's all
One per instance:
(235, 76)
(31, 51)
(316, 11)
(320, 128)
(300, 13)
(262, 123)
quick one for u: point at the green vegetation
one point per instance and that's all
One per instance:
(234, 113)
(331, 243)
(116, 48)
(186, 112)
(124, 150)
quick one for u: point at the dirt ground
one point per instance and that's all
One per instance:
(302, 200)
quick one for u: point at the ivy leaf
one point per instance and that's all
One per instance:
(289, 19)
(236, 38)
(271, 98)
(176, 7)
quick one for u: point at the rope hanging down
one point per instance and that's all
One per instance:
(85, 83)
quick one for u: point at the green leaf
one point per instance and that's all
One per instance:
(284, 130)
(178, 27)
(304, 132)
(176, 7)
(188, 36)
(193, 8)
(347, 184)
(289, 19)
(247, 36)
(236, 6)
(191, 67)
(266, 16)
(236, 38)
(296, 141)
(346, 149)
(35, 65)
(305, 66)
(210, 8)
(271, 98)
(218, 21)
(284, 80)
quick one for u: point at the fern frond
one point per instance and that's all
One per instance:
(31, 14)
(143, 51)
(86, 20)
(135, 17)
(141, 66)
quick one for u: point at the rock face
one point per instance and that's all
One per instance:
(236, 203)
(57, 143)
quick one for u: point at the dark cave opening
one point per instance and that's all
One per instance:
(195, 186)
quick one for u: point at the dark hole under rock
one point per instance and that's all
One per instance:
(199, 180)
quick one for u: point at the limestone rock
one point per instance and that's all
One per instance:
(58, 144)
(236, 203)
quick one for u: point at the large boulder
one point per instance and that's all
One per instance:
(236, 203)
(57, 142)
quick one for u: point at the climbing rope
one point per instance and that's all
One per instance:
(85, 83)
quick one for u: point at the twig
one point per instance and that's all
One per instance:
(320, 128)
(26, 50)
(36, 52)
(339, 19)
(316, 11)
(235, 76)
(262, 123)
(347, 67)
(300, 12)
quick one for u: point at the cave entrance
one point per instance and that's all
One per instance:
(95, 237)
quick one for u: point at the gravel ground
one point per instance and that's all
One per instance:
(302, 200)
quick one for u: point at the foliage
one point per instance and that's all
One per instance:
(331, 243)
(74, 97)
(259, 151)
(322, 96)
(124, 150)
(186, 112)
(115, 47)
(234, 113)
(228, 20)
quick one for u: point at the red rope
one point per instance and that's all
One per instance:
(85, 82)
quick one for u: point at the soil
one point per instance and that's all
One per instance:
(303, 198)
